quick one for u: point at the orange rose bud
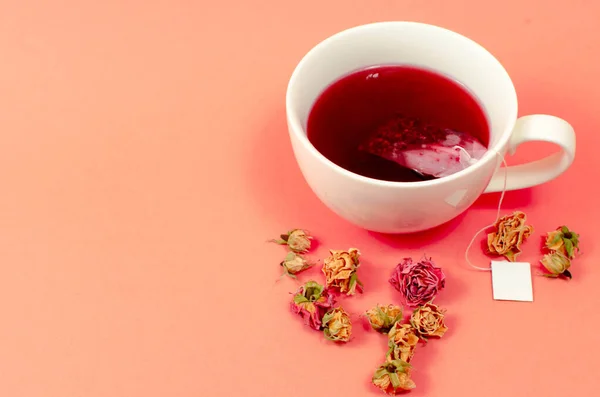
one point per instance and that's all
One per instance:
(510, 232)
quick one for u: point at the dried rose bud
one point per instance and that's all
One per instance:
(311, 302)
(510, 232)
(428, 320)
(557, 264)
(419, 282)
(382, 318)
(563, 240)
(340, 271)
(297, 240)
(393, 376)
(337, 326)
(294, 263)
(402, 342)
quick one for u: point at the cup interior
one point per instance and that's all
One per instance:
(408, 43)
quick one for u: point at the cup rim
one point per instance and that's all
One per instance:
(295, 124)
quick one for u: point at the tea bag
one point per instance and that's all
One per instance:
(424, 148)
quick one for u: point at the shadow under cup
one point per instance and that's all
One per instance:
(399, 207)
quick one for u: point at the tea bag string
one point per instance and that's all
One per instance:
(490, 225)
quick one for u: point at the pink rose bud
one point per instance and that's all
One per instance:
(311, 302)
(417, 282)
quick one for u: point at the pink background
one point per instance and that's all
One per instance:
(144, 162)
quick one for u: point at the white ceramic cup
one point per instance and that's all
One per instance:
(404, 207)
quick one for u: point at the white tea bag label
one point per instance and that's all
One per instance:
(511, 281)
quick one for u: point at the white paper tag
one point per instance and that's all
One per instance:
(512, 281)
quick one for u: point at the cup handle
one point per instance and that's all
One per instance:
(536, 128)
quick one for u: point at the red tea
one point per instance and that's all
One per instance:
(362, 121)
